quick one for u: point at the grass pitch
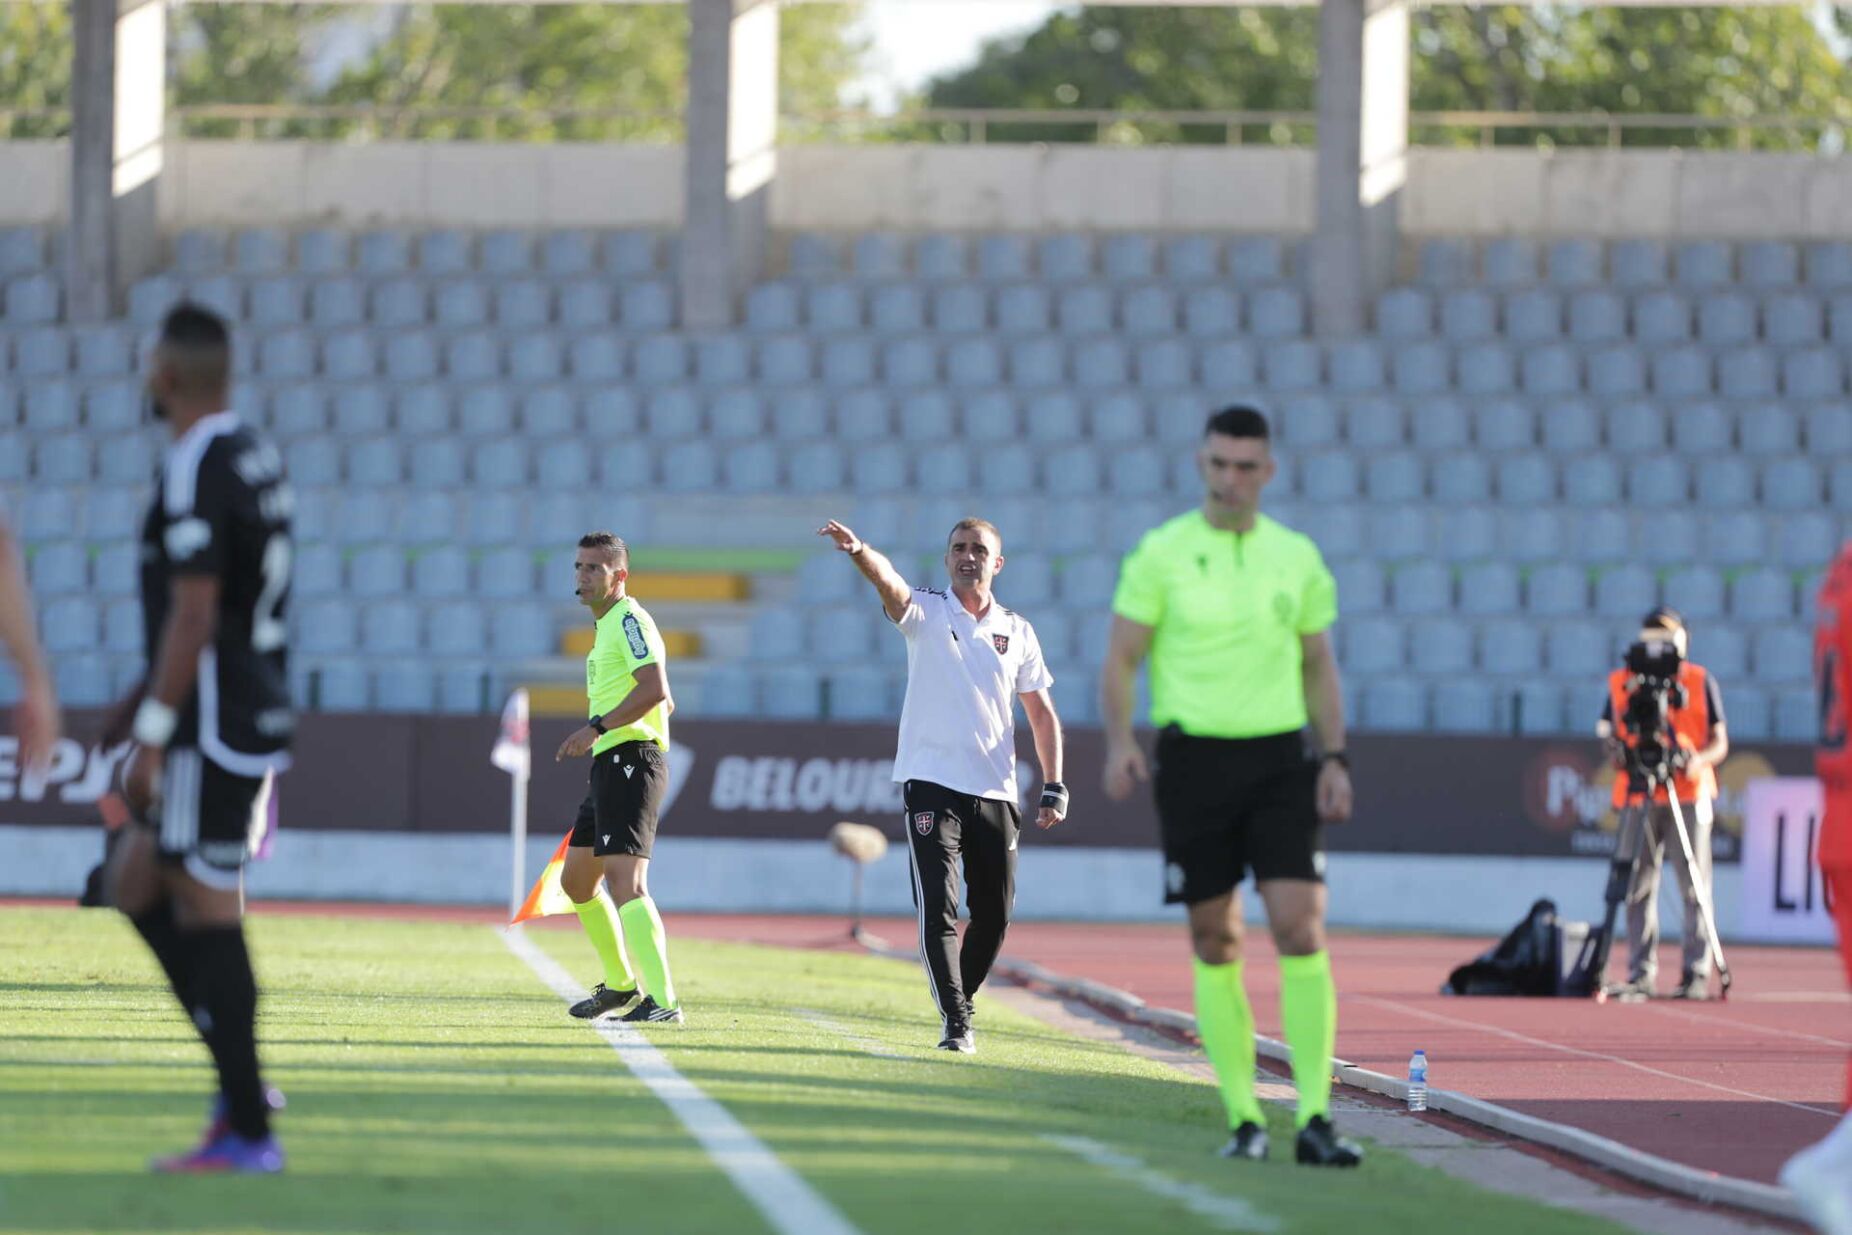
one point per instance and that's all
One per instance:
(435, 1085)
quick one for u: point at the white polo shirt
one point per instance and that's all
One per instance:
(958, 725)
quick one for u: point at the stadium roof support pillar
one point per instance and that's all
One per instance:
(732, 132)
(118, 117)
(1363, 48)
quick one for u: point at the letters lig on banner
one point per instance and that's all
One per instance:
(1783, 899)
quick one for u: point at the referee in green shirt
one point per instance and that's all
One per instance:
(1234, 611)
(627, 736)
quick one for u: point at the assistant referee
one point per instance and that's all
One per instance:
(1234, 611)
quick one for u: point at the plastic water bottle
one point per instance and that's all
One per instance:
(1418, 1082)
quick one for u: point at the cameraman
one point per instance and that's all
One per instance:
(1698, 726)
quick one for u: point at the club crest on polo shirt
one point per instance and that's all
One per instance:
(1001, 643)
(922, 822)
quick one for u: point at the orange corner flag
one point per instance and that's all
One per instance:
(548, 897)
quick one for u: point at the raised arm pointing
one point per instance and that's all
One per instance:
(893, 590)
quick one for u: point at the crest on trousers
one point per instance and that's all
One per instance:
(922, 822)
(1001, 643)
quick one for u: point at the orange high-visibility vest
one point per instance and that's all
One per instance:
(1691, 725)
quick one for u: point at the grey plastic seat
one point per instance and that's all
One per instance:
(1797, 715)
(1073, 471)
(1704, 264)
(751, 468)
(568, 253)
(1805, 540)
(646, 306)
(1658, 482)
(1616, 372)
(1510, 261)
(1128, 258)
(1373, 645)
(1792, 484)
(1793, 319)
(1592, 480)
(505, 252)
(521, 631)
(1084, 309)
(1192, 259)
(485, 411)
(910, 363)
(195, 249)
(897, 308)
(1362, 587)
(375, 462)
(112, 407)
(443, 251)
(535, 358)
(261, 250)
(973, 363)
(960, 308)
(596, 358)
(722, 360)
(1394, 705)
(1139, 472)
(1625, 592)
(1165, 364)
(475, 356)
(1421, 589)
(1534, 315)
(627, 466)
(1783, 654)
(1461, 478)
(1770, 264)
(523, 304)
(109, 514)
(1726, 319)
(1118, 419)
(878, 255)
(941, 256)
(585, 304)
(1567, 426)
(1065, 257)
(1037, 363)
(1293, 364)
(1024, 308)
(1442, 646)
(660, 360)
(1763, 594)
(404, 686)
(1445, 262)
(1510, 648)
(1526, 480)
(785, 360)
(1486, 369)
(1829, 430)
(1001, 258)
(505, 574)
(327, 626)
(1828, 264)
(1101, 364)
(635, 254)
(499, 463)
(349, 355)
(1395, 476)
(1597, 316)
(1697, 592)
(1276, 313)
(563, 465)
(1663, 316)
(1574, 263)
(1229, 366)
(441, 573)
(338, 301)
(1578, 650)
(1738, 538)
(1700, 430)
(736, 415)
(1357, 366)
(1256, 260)
(1488, 589)
(460, 303)
(1668, 538)
(1813, 373)
(1398, 533)
(1405, 313)
(1422, 369)
(1682, 373)
(1469, 315)
(1329, 476)
(1531, 535)
(1440, 424)
(1748, 373)
(277, 300)
(383, 253)
(1148, 312)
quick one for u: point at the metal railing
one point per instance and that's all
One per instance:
(974, 126)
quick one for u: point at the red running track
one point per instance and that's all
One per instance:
(1732, 1087)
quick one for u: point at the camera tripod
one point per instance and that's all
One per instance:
(1648, 780)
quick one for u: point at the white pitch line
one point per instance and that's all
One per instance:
(788, 1204)
(1513, 1035)
(1700, 1018)
(1228, 1212)
(865, 1044)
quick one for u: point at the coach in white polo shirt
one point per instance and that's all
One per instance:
(968, 658)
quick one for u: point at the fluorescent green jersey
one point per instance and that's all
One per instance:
(1227, 611)
(626, 640)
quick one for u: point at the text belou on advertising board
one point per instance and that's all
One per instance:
(398, 773)
(1783, 898)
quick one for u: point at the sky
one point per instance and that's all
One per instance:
(916, 39)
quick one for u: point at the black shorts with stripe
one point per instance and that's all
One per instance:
(628, 783)
(1227, 806)
(208, 820)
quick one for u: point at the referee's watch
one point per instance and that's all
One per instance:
(597, 724)
(1339, 757)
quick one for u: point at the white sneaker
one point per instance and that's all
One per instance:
(1820, 1177)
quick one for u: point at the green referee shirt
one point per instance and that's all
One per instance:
(626, 640)
(1227, 611)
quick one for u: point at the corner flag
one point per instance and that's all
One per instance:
(512, 756)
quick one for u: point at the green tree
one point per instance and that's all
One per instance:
(35, 68)
(242, 54)
(1708, 62)
(527, 64)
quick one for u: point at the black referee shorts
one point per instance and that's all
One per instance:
(625, 797)
(1230, 805)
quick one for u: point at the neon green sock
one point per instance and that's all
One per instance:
(1226, 1025)
(1309, 1015)
(643, 929)
(599, 917)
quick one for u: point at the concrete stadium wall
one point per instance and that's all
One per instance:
(1416, 892)
(1654, 193)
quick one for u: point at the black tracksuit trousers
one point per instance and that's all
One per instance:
(943, 827)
